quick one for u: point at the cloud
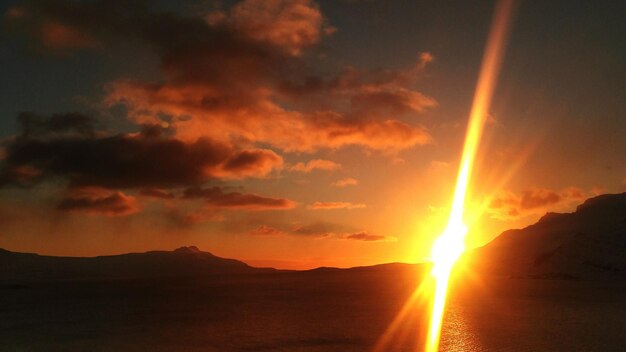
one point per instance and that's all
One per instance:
(345, 182)
(370, 94)
(288, 130)
(508, 205)
(317, 164)
(178, 217)
(364, 236)
(335, 205)
(51, 34)
(142, 160)
(537, 198)
(265, 230)
(215, 197)
(316, 230)
(33, 125)
(230, 75)
(156, 193)
(250, 163)
(438, 165)
(574, 193)
(57, 35)
(292, 25)
(320, 230)
(100, 203)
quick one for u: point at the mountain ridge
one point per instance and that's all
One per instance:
(182, 262)
(589, 243)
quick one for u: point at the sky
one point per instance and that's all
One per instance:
(297, 134)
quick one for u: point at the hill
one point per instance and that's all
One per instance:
(182, 262)
(589, 243)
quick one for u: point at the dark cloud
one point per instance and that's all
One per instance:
(141, 160)
(178, 217)
(156, 193)
(112, 204)
(227, 74)
(252, 162)
(216, 197)
(33, 125)
(32, 19)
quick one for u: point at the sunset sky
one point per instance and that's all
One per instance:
(299, 133)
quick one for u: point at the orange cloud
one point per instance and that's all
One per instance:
(335, 205)
(292, 25)
(345, 182)
(230, 77)
(250, 117)
(265, 230)
(539, 197)
(317, 164)
(508, 205)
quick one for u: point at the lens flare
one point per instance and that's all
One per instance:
(449, 246)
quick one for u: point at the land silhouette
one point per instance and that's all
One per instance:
(559, 284)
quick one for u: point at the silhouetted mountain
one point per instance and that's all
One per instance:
(589, 243)
(182, 262)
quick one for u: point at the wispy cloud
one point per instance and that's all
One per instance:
(216, 197)
(367, 237)
(335, 205)
(345, 182)
(317, 164)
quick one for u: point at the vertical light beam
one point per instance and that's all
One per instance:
(449, 246)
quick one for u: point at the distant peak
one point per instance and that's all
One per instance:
(188, 249)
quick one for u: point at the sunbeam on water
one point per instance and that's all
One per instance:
(449, 246)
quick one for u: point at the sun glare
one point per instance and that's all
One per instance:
(449, 246)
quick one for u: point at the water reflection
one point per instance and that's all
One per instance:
(457, 334)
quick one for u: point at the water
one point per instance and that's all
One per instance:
(322, 311)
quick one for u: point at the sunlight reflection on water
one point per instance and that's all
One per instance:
(457, 334)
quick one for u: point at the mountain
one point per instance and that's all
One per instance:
(589, 243)
(182, 262)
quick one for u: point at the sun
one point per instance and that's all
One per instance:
(450, 245)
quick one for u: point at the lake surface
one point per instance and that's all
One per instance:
(309, 311)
